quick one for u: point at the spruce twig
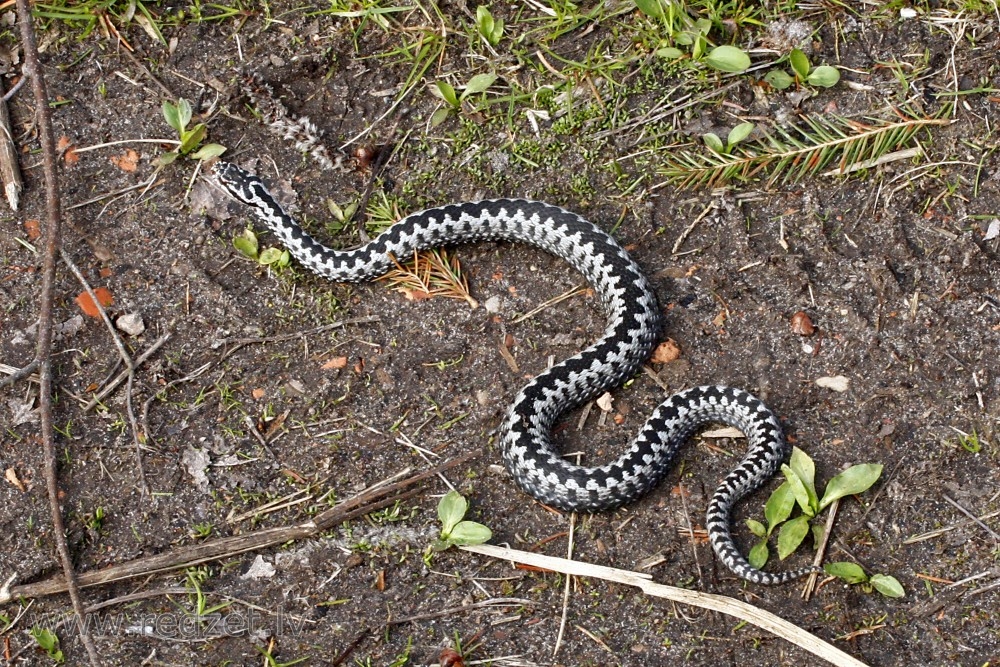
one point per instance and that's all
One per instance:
(792, 153)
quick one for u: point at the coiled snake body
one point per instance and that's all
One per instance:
(632, 331)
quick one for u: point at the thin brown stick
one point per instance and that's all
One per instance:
(363, 503)
(43, 351)
(121, 377)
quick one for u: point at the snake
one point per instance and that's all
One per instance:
(634, 325)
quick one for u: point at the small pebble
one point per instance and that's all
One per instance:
(131, 323)
(492, 304)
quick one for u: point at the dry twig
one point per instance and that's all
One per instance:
(43, 351)
(742, 610)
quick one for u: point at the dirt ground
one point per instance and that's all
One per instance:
(896, 266)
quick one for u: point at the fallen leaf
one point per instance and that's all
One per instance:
(666, 352)
(67, 151)
(802, 325)
(413, 294)
(128, 161)
(720, 319)
(449, 657)
(837, 383)
(87, 304)
(11, 476)
(336, 362)
(258, 393)
(32, 229)
(360, 366)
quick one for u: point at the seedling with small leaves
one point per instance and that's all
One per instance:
(736, 135)
(803, 72)
(490, 29)
(455, 531)
(178, 116)
(446, 92)
(799, 489)
(48, 642)
(855, 575)
(247, 244)
(683, 31)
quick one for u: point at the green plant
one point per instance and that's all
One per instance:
(195, 578)
(970, 442)
(803, 72)
(247, 244)
(682, 30)
(855, 575)
(271, 661)
(48, 642)
(178, 116)
(455, 531)
(444, 90)
(736, 135)
(94, 521)
(799, 489)
(489, 28)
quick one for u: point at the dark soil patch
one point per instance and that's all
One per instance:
(894, 268)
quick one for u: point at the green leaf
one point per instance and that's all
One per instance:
(669, 53)
(739, 133)
(484, 19)
(805, 470)
(791, 535)
(183, 113)
(799, 62)
(246, 243)
(757, 528)
(798, 490)
(778, 79)
(451, 508)
(440, 116)
(685, 38)
(699, 46)
(849, 572)
(824, 76)
(758, 555)
(714, 142)
(470, 532)
(887, 586)
(478, 84)
(650, 8)
(172, 115)
(441, 545)
(209, 151)
(779, 506)
(854, 480)
(728, 59)
(446, 92)
(270, 256)
(167, 158)
(818, 531)
(191, 138)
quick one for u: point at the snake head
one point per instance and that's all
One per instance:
(237, 181)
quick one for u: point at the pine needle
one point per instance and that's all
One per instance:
(429, 274)
(790, 154)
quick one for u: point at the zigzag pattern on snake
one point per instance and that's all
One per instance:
(632, 331)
